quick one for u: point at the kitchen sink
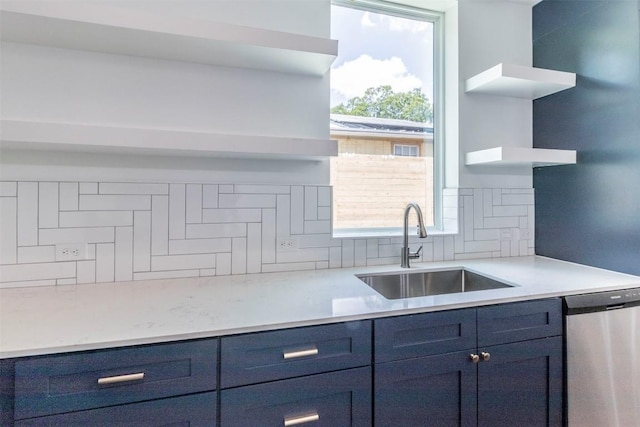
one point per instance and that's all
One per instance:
(426, 283)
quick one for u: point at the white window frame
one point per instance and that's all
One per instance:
(438, 106)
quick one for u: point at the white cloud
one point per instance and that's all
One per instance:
(402, 24)
(354, 77)
(366, 21)
(394, 23)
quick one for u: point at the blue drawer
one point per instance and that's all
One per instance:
(333, 399)
(288, 353)
(418, 335)
(520, 321)
(197, 410)
(72, 382)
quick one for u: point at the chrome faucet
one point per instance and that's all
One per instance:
(406, 254)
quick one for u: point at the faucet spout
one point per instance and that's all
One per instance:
(406, 254)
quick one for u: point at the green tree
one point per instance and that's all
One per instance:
(383, 102)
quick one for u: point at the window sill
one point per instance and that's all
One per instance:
(370, 234)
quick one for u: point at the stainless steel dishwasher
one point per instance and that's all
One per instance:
(603, 359)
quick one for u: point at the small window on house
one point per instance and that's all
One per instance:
(405, 150)
(384, 103)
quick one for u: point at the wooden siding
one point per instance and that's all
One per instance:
(372, 190)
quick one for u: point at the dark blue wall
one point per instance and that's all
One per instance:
(590, 212)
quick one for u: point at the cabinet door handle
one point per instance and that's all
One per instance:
(120, 378)
(294, 421)
(474, 358)
(485, 356)
(300, 353)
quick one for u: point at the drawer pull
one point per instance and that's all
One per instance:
(294, 421)
(120, 378)
(300, 353)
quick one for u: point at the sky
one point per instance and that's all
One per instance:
(376, 49)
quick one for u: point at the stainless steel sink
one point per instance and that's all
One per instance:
(425, 283)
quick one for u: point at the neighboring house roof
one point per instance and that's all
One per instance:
(372, 126)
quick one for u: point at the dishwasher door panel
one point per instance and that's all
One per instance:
(603, 368)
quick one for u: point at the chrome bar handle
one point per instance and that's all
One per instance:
(303, 419)
(120, 379)
(300, 353)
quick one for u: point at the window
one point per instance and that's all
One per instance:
(384, 98)
(406, 150)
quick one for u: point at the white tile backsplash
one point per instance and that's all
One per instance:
(138, 231)
(209, 196)
(94, 219)
(48, 205)
(105, 262)
(124, 254)
(194, 203)
(32, 254)
(160, 225)
(177, 211)
(8, 229)
(142, 241)
(69, 194)
(52, 236)
(27, 213)
(231, 215)
(127, 188)
(92, 202)
(238, 255)
(182, 262)
(8, 188)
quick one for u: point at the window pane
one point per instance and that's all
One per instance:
(381, 104)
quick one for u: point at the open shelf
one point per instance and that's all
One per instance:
(86, 26)
(31, 135)
(512, 156)
(518, 81)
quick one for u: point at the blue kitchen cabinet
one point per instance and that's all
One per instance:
(509, 373)
(317, 376)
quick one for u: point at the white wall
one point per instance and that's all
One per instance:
(41, 83)
(491, 32)
(61, 85)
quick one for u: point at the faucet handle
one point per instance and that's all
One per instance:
(416, 254)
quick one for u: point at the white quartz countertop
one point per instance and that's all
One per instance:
(55, 319)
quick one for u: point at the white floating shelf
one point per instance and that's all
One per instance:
(518, 81)
(512, 156)
(86, 26)
(31, 135)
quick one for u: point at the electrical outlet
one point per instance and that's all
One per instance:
(288, 244)
(71, 251)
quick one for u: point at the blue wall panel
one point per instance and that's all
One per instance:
(590, 212)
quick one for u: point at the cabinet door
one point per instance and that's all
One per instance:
(341, 398)
(198, 410)
(521, 384)
(435, 390)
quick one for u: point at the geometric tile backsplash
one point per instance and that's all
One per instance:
(137, 231)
